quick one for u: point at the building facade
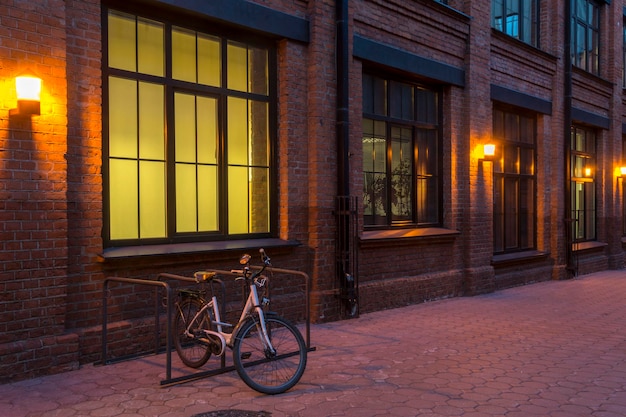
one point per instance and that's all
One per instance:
(347, 138)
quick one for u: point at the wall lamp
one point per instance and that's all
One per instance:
(489, 152)
(28, 89)
(622, 172)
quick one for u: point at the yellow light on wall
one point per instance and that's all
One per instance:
(587, 172)
(28, 90)
(622, 171)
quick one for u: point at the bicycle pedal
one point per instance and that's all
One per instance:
(246, 355)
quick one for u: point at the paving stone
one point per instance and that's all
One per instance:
(551, 349)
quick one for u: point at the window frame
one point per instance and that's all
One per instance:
(585, 183)
(173, 86)
(416, 127)
(531, 38)
(587, 26)
(501, 175)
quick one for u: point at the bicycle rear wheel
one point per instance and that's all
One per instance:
(192, 347)
(262, 370)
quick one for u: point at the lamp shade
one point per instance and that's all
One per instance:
(489, 150)
(28, 88)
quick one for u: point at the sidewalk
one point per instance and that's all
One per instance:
(552, 349)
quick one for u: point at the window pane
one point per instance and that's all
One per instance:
(259, 131)
(152, 199)
(186, 201)
(121, 41)
(259, 200)
(237, 66)
(122, 118)
(123, 197)
(427, 176)
(374, 95)
(374, 170)
(401, 101)
(401, 173)
(257, 70)
(185, 127)
(151, 121)
(184, 55)
(238, 221)
(208, 198)
(207, 130)
(426, 102)
(511, 202)
(209, 60)
(498, 213)
(527, 213)
(150, 53)
(237, 131)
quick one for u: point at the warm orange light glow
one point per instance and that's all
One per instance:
(587, 172)
(622, 171)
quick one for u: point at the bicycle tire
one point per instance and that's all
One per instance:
(265, 374)
(191, 349)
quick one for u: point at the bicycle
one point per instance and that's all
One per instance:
(269, 353)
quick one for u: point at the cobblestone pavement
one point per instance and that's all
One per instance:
(551, 349)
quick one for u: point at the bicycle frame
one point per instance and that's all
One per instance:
(227, 339)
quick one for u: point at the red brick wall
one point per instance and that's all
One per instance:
(33, 219)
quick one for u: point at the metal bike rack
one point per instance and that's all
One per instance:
(161, 282)
(156, 324)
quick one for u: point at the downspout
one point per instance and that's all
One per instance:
(345, 211)
(567, 129)
(343, 184)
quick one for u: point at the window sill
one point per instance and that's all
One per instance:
(130, 252)
(519, 257)
(404, 235)
(584, 246)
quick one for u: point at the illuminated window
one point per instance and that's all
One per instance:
(517, 18)
(514, 180)
(187, 134)
(401, 153)
(582, 177)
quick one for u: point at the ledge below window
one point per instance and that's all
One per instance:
(128, 252)
(519, 257)
(582, 246)
(404, 235)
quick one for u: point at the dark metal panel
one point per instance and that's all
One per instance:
(245, 14)
(518, 99)
(390, 56)
(583, 116)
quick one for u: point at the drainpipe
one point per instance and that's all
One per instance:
(343, 185)
(567, 126)
(345, 251)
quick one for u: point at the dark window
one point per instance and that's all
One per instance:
(582, 177)
(586, 35)
(517, 18)
(514, 179)
(401, 153)
(187, 133)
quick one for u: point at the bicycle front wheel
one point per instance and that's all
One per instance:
(190, 343)
(265, 371)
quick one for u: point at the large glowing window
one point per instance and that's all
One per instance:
(188, 133)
